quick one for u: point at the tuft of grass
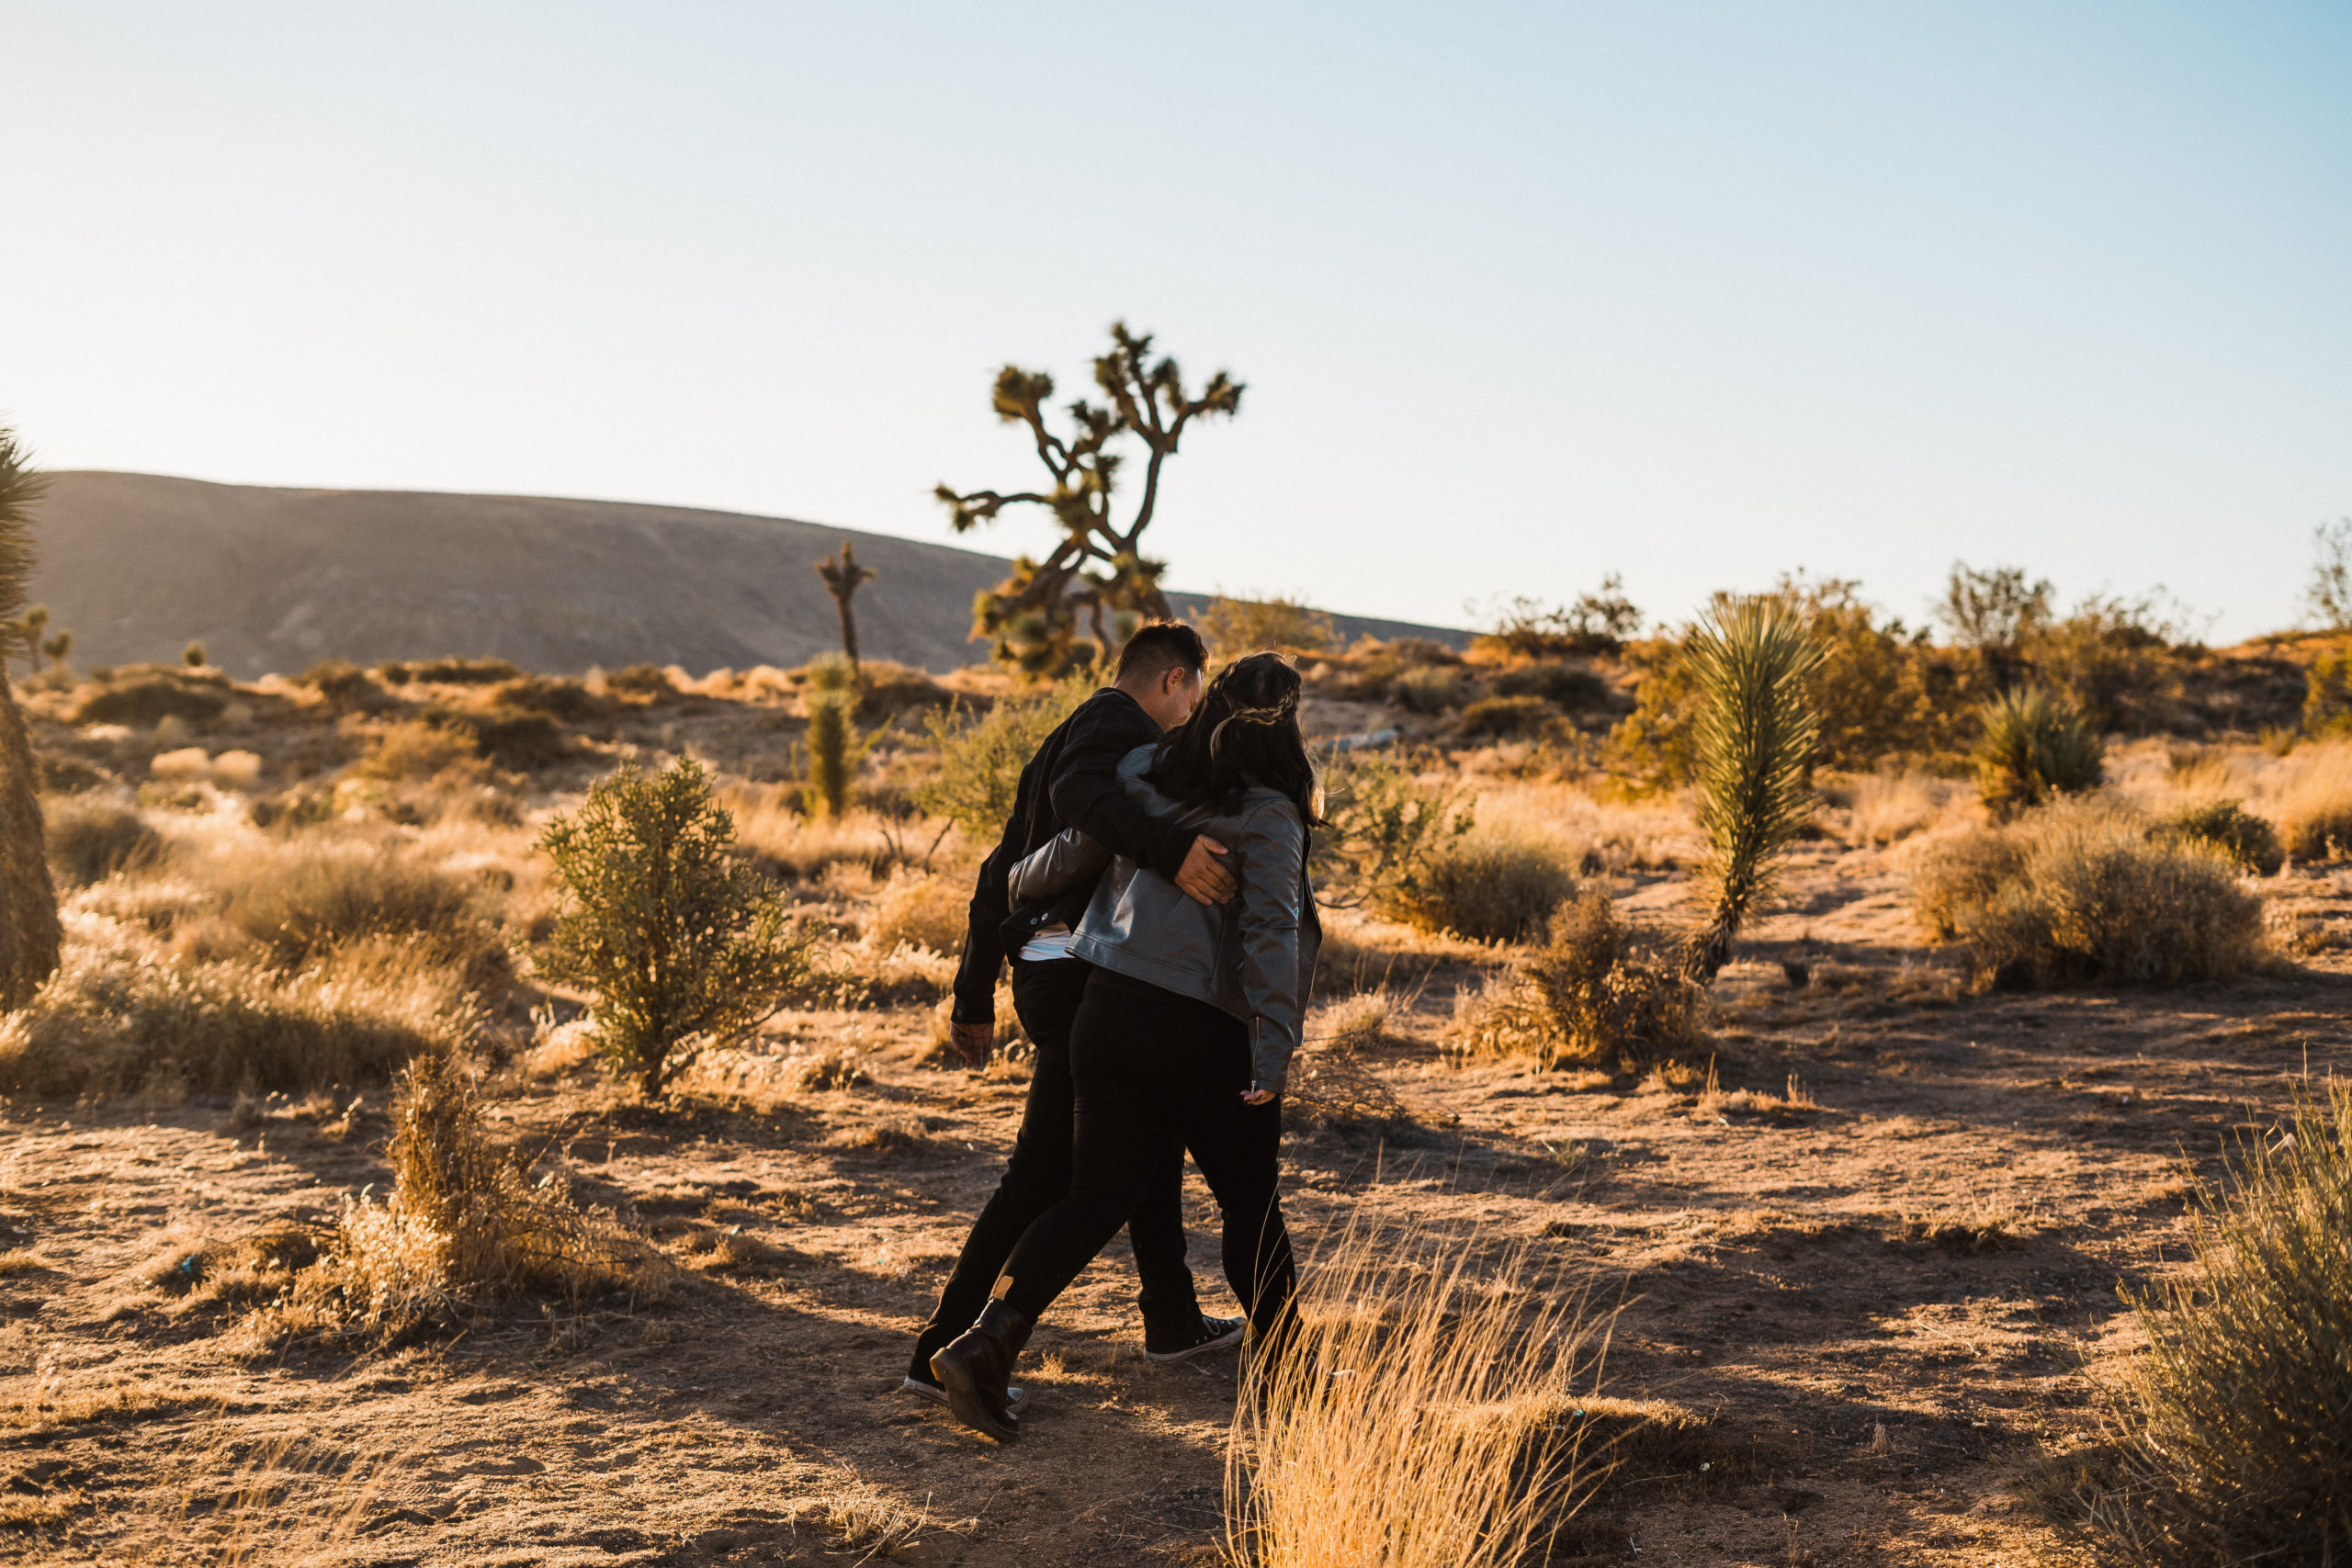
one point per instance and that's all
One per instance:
(297, 905)
(920, 910)
(2313, 806)
(2234, 1430)
(2078, 892)
(1755, 740)
(1414, 1420)
(1496, 883)
(90, 837)
(1599, 992)
(2033, 746)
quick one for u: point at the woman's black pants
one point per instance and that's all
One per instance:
(1154, 1070)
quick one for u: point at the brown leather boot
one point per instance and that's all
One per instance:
(976, 1366)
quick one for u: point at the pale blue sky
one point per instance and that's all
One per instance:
(1523, 294)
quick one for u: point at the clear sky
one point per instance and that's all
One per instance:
(1522, 293)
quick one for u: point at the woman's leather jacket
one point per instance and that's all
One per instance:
(1253, 958)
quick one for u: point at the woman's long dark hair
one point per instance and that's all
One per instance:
(1245, 732)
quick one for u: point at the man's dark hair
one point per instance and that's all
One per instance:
(1161, 645)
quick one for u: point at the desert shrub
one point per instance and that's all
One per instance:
(682, 942)
(346, 687)
(121, 1016)
(91, 838)
(464, 1222)
(558, 698)
(1330, 1084)
(1236, 626)
(646, 683)
(2034, 746)
(2327, 693)
(1371, 669)
(1599, 991)
(2118, 661)
(1571, 686)
(1492, 884)
(1449, 1443)
(2078, 892)
(523, 741)
(298, 904)
(2237, 1425)
(1506, 718)
(1381, 825)
(413, 750)
(193, 655)
(149, 695)
(2229, 830)
(917, 911)
(455, 672)
(1428, 688)
(980, 758)
(1755, 739)
(832, 743)
(1593, 623)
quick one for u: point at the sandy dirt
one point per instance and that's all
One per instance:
(1880, 1303)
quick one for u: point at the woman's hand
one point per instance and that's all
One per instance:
(1257, 1096)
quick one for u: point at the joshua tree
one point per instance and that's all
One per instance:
(842, 578)
(1097, 567)
(1756, 736)
(57, 646)
(27, 628)
(28, 929)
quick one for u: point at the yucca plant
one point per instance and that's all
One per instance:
(2034, 745)
(2237, 1423)
(1755, 740)
(29, 928)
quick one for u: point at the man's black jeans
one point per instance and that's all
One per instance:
(1047, 997)
(1155, 1069)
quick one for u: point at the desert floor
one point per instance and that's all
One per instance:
(1876, 1309)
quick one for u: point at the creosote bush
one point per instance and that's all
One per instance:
(2034, 746)
(1382, 825)
(2236, 1425)
(2078, 892)
(683, 944)
(1599, 992)
(1492, 884)
(981, 756)
(2230, 831)
(91, 837)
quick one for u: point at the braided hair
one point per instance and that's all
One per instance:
(1245, 732)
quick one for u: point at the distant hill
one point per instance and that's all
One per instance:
(277, 579)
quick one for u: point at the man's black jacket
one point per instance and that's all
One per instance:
(1072, 782)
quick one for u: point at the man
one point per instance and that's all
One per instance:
(1072, 782)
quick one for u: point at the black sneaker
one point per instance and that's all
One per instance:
(1214, 1334)
(1015, 1396)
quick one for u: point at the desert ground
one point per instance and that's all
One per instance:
(1857, 1258)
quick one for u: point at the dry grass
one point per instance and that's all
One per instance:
(1497, 882)
(1330, 1083)
(92, 837)
(2234, 1431)
(1882, 808)
(2078, 892)
(1415, 1419)
(2310, 798)
(1599, 992)
(920, 909)
(794, 847)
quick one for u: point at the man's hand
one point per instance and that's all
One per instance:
(976, 1043)
(1203, 874)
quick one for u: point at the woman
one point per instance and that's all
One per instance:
(1187, 1024)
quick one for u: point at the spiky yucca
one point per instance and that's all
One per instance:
(29, 928)
(2035, 745)
(1755, 737)
(2237, 1425)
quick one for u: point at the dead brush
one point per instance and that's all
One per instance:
(1414, 1421)
(1330, 1083)
(1600, 992)
(464, 1223)
(2231, 1435)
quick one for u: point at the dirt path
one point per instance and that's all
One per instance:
(1874, 1302)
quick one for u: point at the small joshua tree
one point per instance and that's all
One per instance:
(684, 945)
(57, 645)
(833, 697)
(193, 655)
(1099, 567)
(28, 927)
(842, 578)
(1755, 740)
(29, 629)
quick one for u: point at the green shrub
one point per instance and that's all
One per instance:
(451, 671)
(193, 655)
(1506, 718)
(91, 838)
(980, 757)
(558, 698)
(1381, 825)
(1428, 688)
(139, 697)
(525, 743)
(683, 944)
(1490, 885)
(1598, 992)
(2033, 747)
(346, 687)
(2237, 1422)
(1595, 623)
(1571, 686)
(1755, 737)
(1235, 626)
(2227, 828)
(2077, 893)
(2327, 693)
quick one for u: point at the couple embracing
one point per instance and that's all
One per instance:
(1151, 894)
